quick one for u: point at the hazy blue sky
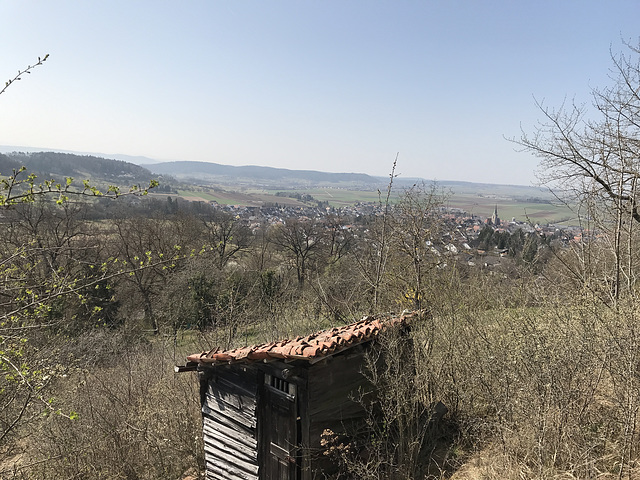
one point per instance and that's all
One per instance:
(337, 86)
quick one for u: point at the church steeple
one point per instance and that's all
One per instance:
(495, 220)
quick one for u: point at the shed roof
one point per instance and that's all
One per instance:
(310, 348)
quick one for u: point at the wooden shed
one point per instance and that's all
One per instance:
(264, 407)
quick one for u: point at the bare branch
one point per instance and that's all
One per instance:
(27, 70)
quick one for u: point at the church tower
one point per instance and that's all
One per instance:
(495, 220)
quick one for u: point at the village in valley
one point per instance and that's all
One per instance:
(461, 237)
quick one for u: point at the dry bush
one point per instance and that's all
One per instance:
(553, 389)
(134, 419)
(401, 431)
(532, 391)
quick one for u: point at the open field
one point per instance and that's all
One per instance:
(521, 203)
(340, 197)
(224, 197)
(508, 208)
(257, 197)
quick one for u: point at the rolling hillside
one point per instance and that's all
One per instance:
(57, 165)
(214, 172)
(254, 185)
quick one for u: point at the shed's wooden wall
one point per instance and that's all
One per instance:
(326, 398)
(333, 389)
(229, 404)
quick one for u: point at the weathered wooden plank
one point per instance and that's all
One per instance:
(223, 444)
(341, 407)
(231, 398)
(246, 398)
(246, 438)
(240, 379)
(216, 473)
(224, 400)
(213, 476)
(227, 471)
(229, 427)
(245, 418)
(225, 425)
(335, 386)
(339, 371)
(241, 399)
(239, 374)
(242, 384)
(335, 374)
(230, 456)
(306, 473)
(247, 441)
(342, 410)
(216, 453)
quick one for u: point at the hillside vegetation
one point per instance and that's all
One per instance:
(100, 298)
(100, 301)
(528, 335)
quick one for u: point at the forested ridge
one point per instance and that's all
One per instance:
(60, 165)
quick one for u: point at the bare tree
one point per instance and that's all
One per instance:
(300, 239)
(595, 155)
(339, 238)
(416, 225)
(595, 158)
(153, 248)
(227, 236)
(374, 251)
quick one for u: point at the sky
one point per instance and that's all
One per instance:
(337, 86)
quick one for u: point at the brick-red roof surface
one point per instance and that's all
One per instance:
(312, 347)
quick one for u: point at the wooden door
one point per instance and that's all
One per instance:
(279, 432)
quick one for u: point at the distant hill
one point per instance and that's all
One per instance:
(214, 172)
(59, 165)
(7, 165)
(103, 171)
(136, 159)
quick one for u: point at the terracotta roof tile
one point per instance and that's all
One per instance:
(316, 345)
